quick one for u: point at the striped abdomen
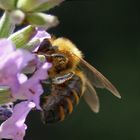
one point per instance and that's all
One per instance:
(62, 99)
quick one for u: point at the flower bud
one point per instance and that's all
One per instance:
(17, 16)
(31, 5)
(42, 20)
(48, 5)
(22, 37)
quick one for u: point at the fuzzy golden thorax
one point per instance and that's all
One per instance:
(70, 51)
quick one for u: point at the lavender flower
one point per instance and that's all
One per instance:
(18, 59)
(30, 11)
(14, 127)
(20, 85)
(39, 37)
(31, 89)
(12, 62)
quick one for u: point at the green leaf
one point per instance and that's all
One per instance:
(23, 36)
(6, 26)
(42, 20)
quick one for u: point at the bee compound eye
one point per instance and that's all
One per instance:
(54, 48)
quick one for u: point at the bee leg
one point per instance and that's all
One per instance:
(59, 61)
(60, 57)
(53, 56)
(62, 79)
(56, 57)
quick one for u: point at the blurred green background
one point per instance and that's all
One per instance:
(108, 33)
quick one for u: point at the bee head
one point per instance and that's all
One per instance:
(69, 50)
(46, 47)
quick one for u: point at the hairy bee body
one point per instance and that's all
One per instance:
(71, 77)
(69, 60)
(60, 103)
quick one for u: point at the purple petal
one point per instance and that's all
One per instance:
(22, 78)
(41, 35)
(32, 89)
(20, 112)
(6, 47)
(42, 73)
(14, 127)
(11, 64)
(17, 59)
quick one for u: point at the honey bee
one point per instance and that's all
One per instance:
(70, 78)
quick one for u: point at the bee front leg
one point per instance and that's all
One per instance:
(59, 62)
(61, 58)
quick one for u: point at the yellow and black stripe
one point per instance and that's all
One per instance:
(60, 103)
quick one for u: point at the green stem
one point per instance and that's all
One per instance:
(6, 26)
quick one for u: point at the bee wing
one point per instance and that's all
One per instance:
(91, 97)
(96, 78)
